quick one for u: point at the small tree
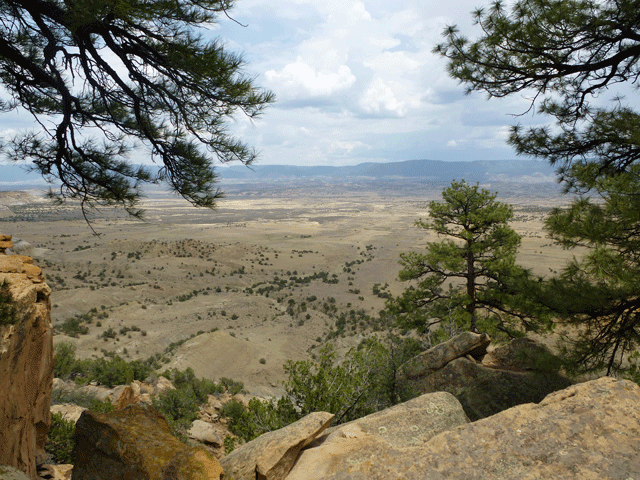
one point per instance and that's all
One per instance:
(478, 261)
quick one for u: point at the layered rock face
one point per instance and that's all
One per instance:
(26, 362)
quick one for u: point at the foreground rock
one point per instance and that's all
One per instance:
(521, 371)
(26, 363)
(392, 436)
(12, 473)
(271, 456)
(136, 443)
(588, 431)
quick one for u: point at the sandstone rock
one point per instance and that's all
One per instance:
(136, 443)
(467, 343)
(522, 354)
(163, 385)
(5, 243)
(588, 431)
(126, 396)
(98, 392)
(145, 387)
(11, 473)
(55, 472)
(59, 384)
(356, 447)
(68, 411)
(486, 391)
(205, 432)
(271, 456)
(214, 403)
(26, 363)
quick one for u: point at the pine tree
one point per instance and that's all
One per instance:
(598, 294)
(105, 79)
(564, 54)
(469, 280)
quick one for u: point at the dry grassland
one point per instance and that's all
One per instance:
(199, 277)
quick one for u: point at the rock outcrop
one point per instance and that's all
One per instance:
(393, 436)
(271, 456)
(485, 383)
(429, 361)
(588, 431)
(136, 443)
(26, 362)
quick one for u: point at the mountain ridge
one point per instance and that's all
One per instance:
(529, 171)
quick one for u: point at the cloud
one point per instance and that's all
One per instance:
(299, 79)
(392, 98)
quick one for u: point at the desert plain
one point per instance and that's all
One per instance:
(264, 278)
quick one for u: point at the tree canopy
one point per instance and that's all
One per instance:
(477, 259)
(103, 78)
(564, 53)
(598, 293)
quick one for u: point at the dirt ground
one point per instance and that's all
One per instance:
(239, 291)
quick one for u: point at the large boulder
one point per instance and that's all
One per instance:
(136, 443)
(366, 444)
(26, 363)
(588, 431)
(486, 391)
(521, 371)
(429, 361)
(271, 456)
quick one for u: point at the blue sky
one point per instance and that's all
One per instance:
(356, 81)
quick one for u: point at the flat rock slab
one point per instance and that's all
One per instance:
(589, 431)
(370, 442)
(271, 456)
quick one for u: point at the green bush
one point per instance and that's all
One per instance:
(8, 310)
(111, 372)
(232, 386)
(60, 442)
(179, 407)
(73, 327)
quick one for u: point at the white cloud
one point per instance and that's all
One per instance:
(299, 78)
(393, 98)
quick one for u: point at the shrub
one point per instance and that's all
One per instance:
(8, 310)
(179, 407)
(232, 386)
(60, 442)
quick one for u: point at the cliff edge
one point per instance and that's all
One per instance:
(26, 361)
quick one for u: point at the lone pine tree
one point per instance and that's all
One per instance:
(470, 279)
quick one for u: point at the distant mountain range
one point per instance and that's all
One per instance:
(15, 177)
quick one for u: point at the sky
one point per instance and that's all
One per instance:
(356, 81)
